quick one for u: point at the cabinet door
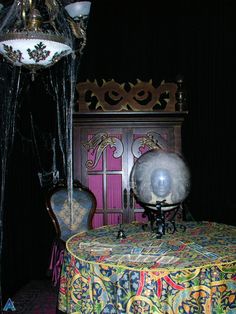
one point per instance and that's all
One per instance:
(104, 158)
(101, 165)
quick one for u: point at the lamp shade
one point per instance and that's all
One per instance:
(78, 9)
(33, 49)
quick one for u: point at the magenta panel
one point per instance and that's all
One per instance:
(114, 219)
(115, 163)
(97, 221)
(114, 191)
(142, 149)
(95, 183)
(137, 205)
(138, 217)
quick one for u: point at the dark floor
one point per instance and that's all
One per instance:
(37, 297)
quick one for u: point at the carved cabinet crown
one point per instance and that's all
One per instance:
(140, 96)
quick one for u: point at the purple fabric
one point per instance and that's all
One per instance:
(56, 262)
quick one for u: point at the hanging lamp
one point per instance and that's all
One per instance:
(36, 34)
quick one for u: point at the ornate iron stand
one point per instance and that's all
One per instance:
(157, 217)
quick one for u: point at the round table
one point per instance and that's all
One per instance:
(185, 272)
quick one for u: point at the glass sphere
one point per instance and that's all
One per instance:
(159, 175)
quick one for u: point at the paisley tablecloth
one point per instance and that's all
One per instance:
(185, 272)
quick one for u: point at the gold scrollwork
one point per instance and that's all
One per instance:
(98, 143)
(152, 140)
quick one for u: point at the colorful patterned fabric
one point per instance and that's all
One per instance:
(185, 272)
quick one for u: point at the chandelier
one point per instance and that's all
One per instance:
(37, 33)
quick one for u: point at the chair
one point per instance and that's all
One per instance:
(65, 223)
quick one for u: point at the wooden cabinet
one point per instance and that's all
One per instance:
(106, 145)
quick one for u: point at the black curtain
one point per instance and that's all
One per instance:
(129, 40)
(27, 229)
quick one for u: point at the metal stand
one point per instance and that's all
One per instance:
(157, 217)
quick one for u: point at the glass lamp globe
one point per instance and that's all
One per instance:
(78, 9)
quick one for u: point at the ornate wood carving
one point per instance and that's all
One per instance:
(98, 143)
(152, 140)
(112, 96)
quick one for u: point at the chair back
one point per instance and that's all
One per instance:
(70, 219)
